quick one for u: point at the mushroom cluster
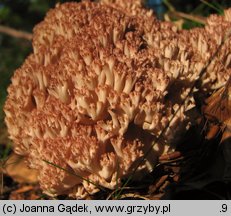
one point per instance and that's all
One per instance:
(104, 80)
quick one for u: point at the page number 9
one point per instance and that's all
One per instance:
(224, 208)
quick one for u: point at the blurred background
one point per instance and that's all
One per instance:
(21, 15)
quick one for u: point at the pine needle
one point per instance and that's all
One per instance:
(74, 174)
(213, 7)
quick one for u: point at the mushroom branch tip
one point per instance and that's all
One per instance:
(104, 80)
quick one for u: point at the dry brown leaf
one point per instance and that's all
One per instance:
(25, 195)
(156, 186)
(219, 104)
(218, 109)
(17, 169)
(227, 132)
(24, 189)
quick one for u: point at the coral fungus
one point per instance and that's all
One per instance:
(103, 81)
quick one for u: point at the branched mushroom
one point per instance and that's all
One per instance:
(103, 81)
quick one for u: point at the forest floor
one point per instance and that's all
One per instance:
(199, 169)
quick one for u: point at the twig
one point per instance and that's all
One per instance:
(219, 10)
(15, 33)
(169, 5)
(175, 13)
(194, 18)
